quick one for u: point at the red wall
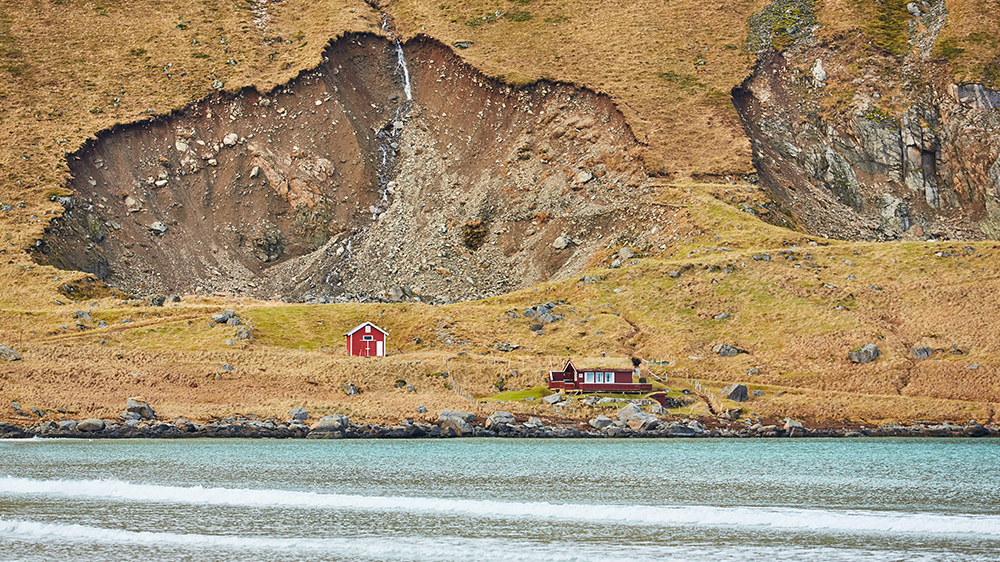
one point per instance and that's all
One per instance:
(358, 347)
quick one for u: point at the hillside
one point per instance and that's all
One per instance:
(245, 154)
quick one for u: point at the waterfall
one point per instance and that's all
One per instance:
(406, 71)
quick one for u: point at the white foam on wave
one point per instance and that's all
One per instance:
(822, 520)
(441, 549)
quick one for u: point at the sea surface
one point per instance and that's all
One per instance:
(501, 499)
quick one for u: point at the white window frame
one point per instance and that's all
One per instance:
(367, 338)
(588, 377)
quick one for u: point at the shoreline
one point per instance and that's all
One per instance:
(249, 428)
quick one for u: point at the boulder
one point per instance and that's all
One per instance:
(8, 354)
(600, 422)
(681, 431)
(243, 333)
(421, 409)
(643, 421)
(335, 422)
(560, 243)
(758, 393)
(465, 416)
(736, 392)
(90, 425)
(298, 414)
(553, 399)
(499, 419)
(137, 405)
(68, 425)
(726, 350)
(921, 352)
(625, 253)
(456, 423)
(864, 354)
(794, 428)
(628, 412)
(156, 300)
(349, 389)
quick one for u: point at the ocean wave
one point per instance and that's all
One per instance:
(820, 520)
(440, 549)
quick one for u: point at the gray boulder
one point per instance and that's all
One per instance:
(864, 354)
(921, 352)
(68, 425)
(499, 419)
(465, 416)
(726, 350)
(421, 409)
(156, 300)
(8, 354)
(600, 422)
(758, 393)
(681, 431)
(643, 421)
(298, 414)
(137, 405)
(335, 422)
(628, 412)
(224, 316)
(456, 423)
(553, 399)
(90, 425)
(736, 392)
(243, 333)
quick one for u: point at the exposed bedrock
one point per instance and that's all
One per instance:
(860, 144)
(335, 185)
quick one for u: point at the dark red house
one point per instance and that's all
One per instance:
(597, 380)
(367, 340)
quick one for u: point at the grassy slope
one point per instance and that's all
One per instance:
(65, 65)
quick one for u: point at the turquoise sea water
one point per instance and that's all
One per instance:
(493, 499)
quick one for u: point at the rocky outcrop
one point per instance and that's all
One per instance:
(858, 143)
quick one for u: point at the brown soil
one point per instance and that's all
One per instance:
(336, 185)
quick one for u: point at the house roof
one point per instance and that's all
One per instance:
(599, 364)
(363, 324)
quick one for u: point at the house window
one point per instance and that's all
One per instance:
(588, 376)
(368, 329)
(367, 338)
(609, 377)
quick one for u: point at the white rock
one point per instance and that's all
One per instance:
(254, 172)
(583, 177)
(160, 183)
(181, 146)
(560, 243)
(818, 73)
(231, 139)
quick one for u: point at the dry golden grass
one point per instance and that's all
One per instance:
(71, 68)
(796, 324)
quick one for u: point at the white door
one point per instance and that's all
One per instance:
(379, 352)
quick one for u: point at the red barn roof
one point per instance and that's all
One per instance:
(363, 324)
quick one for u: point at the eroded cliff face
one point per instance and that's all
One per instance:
(336, 185)
(860, 144)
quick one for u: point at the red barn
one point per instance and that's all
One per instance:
(367, 340)
(597, 380)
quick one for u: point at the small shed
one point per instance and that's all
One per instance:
(601, 379)
(367, 340)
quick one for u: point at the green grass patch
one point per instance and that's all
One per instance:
(537, 393)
